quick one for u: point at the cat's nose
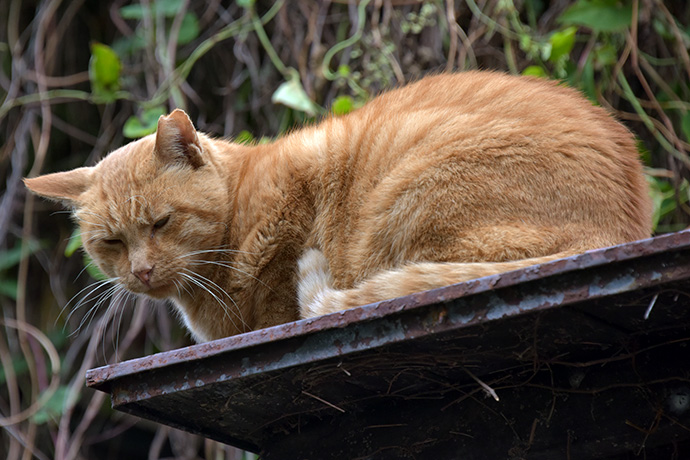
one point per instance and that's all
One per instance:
(144, 275)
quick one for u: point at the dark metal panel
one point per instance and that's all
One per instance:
(367, 367)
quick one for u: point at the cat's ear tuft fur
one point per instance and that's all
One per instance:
(177, 140)
(65, 187)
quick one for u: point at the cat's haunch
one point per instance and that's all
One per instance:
(447, 179)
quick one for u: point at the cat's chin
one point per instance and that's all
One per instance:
(155, 292)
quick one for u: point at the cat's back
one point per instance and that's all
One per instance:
(457, 154)
(496, 124)
(480, 106)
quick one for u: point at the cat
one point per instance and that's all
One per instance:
(450, 178)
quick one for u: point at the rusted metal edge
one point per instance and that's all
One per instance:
(566, 281)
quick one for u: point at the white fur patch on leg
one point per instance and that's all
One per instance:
(314, 284)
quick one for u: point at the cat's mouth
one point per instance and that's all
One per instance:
(160, 292)
(155, 290)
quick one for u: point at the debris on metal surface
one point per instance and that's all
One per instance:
(583, 357)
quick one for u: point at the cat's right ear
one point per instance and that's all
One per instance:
(177, 140)
(65, 187)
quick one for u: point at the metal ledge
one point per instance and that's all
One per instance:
(588, 355)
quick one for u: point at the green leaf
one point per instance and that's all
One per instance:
(598, 15)
(104, 71)
(12, 257)
(20, 367)
(292, 94)
(144, 124)
(167, 8)
(588, 84)
(244, 137)
(342, 105)
(134, 11)
(605, 55)
(93, 270)
(663, 196)
(246, 4)
(189, 29)
(125, 46)
(74, 243)
(562, 43)
(53, 408)
(9, 288)
(535, 71)
(344, 70)
(685, 125)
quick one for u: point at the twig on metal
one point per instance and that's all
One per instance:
(490, 391)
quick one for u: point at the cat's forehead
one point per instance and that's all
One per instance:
(131, 156)
(117, 210)
(126, 188)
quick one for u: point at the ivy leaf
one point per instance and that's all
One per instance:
(246, 4)
(144, 124)
(93, 270)
(244, 137)
(685, 125)
(8, 288)
(663, 196)
(104, 72)
(189, 29)
(598, 15)
(342, 105)
(292, 94)
(562, 43)
(12, 257)
(53, 408)
(535, 71)
(167, 8)
(74, 243)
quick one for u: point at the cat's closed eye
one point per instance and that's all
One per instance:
(112, 241)
(160, 223)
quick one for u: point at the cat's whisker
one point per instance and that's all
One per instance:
(120, 301)
(199, 284)
(81, 234)
(177, 286)
(219, 251)
(200, 280)
(61, 212)
(238, 313)
(95, 224)
(86, 266)
(91, 313)
(184, 285)
(109, 315)
(103, 219)
(95, 237)
(226, 264)
(93, 286)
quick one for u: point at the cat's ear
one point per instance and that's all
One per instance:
(65, 187)
(177, 140)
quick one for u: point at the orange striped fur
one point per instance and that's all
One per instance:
(444, 180)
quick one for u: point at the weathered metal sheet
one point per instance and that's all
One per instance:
(403, 376)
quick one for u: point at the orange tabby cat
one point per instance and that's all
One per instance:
(447, 179)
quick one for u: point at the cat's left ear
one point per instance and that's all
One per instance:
(177, 140)
(65, 187)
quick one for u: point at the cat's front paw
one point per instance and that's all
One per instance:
(313, 278)
(314, 284)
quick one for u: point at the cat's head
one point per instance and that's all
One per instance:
(150, 212)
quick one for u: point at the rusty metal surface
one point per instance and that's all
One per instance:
(393, 364)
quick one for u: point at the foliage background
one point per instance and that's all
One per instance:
(80, 78)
